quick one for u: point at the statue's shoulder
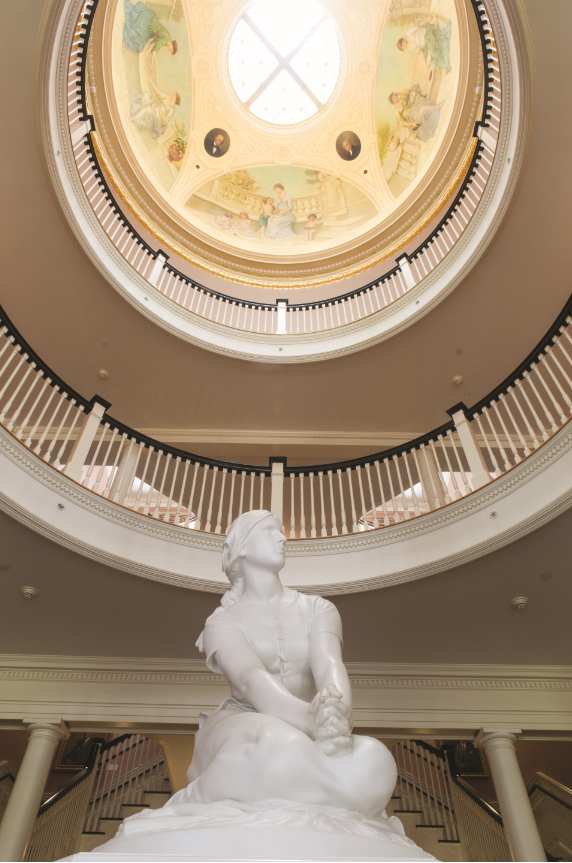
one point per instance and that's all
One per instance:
(315, 604)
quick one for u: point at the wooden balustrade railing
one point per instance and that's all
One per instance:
(304, 318)
(476, 446)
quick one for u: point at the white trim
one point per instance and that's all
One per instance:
(395, 698)
(526, 497)
(516, 125)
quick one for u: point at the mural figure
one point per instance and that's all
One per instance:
(142, 26)
(348, 146)
(431, 37)
(147, 114)
(242, 226)
(224, 221)
(416, 112)
(311, 226)
(279, 223)
(267, 210)
(217, 143)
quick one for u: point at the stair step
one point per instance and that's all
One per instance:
(128, 809)
(407, 812)
(430, 826)
(449, 841)
(157, 799)
(92, 839)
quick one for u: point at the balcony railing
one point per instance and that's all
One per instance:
(478, 445)
(282, 318)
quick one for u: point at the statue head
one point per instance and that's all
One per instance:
(256, 536)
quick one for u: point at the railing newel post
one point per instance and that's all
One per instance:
(472, 450)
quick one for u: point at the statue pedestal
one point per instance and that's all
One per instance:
(250, 844)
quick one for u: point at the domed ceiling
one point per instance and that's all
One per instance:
(285, 143)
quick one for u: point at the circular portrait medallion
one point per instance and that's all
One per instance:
(217, 142)
(348, 146)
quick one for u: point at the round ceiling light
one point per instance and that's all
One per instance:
(284, 61)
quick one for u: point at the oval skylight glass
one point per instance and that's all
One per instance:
(284, 60)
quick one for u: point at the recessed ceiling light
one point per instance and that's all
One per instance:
(103, 373)
(519, 602)
(459, 351)
(546, 576)
(4, 567)
(28, 592)
(105, 343)
(458, 379)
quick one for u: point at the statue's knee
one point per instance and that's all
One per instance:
(280, 734)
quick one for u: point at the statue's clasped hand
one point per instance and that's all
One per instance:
(332, 721)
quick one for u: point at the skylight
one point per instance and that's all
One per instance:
(284, 60)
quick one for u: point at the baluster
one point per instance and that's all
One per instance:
(103, 430)
(516, 456)
(20, 360)
(252, 475)
(190, 506)
(363, 509)
(440, 473)
(302, 516)
(558, 343)
(396, 516)
(557, 406)
(218, 527)
(496, 469)
(9, 342)
(451, 471)
(232, 481)
(528, 378)
(312, 508)
(261, 491)
(58, 458)
(242, 479)
(502, 450)
(142, 483)
(332, 505)
(48, 453)
(183, 484)
(403, 498)
(323, 510)
(55, 392)
(292, 518)
(27, 373)
(43, 386)
(520, 387)
(210, 509)
(427, 508)
(411, 484)
(158, 455)
(383, 504)
(451, 437)
(343, 509)
(544, 361)
(505, 403)
(156, 511)
(430, 475)
(199, 513)
(170, 501)
(354, 517)
(375, 519)
(105, 459)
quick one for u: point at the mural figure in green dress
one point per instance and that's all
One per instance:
(141, 27)
(416, 112)
(432, 38)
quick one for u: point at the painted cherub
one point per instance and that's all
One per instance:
(311, 226)
(223, 221)
(242, 225)
(267, 210)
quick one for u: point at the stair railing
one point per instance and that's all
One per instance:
(128, 767)
(477, 445)
(423, 786)
(60, 819)
(467, 187)
(552, 806)
(480, 826)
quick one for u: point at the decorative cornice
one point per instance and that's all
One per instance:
(546, 455)
(376, 675)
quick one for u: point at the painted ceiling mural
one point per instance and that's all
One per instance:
(283, 129)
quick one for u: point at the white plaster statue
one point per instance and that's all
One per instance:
(280, 752)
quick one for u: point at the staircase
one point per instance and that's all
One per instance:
(106, 828)
(430, 837)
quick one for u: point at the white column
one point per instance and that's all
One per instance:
(22, 809)
(472, 450)
(277, 490)
(430, 478)
(160, 262)
(408, 276)
(78, 455)
(519, 822)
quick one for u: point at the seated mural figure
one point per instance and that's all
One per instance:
(280, 751)
(141, 27)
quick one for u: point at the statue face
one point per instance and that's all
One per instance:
(265, 545)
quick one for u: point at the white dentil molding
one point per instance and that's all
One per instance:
(516, 125)
(454, 700)
(526, 497)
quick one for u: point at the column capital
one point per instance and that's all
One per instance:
(497, 738)
(38, 726)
